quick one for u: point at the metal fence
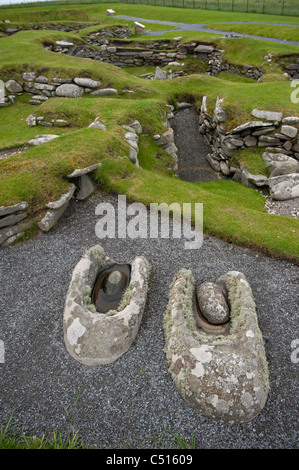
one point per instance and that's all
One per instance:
(271, 7)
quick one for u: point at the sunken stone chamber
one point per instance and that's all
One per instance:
(222, 374)
(96, 338)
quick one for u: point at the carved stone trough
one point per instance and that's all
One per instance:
(104, 307)
(220, 370)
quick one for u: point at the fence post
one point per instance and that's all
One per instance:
(282, 8)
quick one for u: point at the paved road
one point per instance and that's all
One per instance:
(202, 27)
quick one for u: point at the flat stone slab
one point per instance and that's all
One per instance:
(21, 206)
(64, 43)
(42, 139)
(8, 234)
(94, 338)
(284, 187)
(223, 376)
(268, 115)
(104, 92)
(12, 219)
(87, 82)
(250, 125)
(84, 171)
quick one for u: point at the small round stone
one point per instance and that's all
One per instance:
(212, 303)
(113, 283)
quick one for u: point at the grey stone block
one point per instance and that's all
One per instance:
(233, 357)
(94, 338)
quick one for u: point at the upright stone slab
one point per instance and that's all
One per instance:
(139, 28)
(94, 338)
(220, 370)
(56, 209)
(110, 12)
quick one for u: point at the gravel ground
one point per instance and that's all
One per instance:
(133, 399)
(193, 165)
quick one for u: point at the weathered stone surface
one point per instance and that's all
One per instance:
(275, 159)
(215, 164)
(69, 90)
(110, 12)
(12, 219)
(132, 136)
(160, 74)
(268, 115)
(44, 86)
(291, 121)
(139, 28)
(224, 377)
(249, 126)
(289, 131)
(202, 48)
(31, 120)
(113, 282)
(104, 92)
(28, 76)
(249, 180)
(87, 82)
(250, 141)
(64, 43)
(42, 79)
(224, 167)
(5, 210)
(212, 303)
(13, 87)
(86, 187)
(57, 208)
(94, 338)
(284, 187)
(98, 125)
(219, 113)
(7, 233)
(65, 198)
(42, 139)
(84, 171)
(284, 168)
(136, 126)
(166, 141)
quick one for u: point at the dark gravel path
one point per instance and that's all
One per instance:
(134, 398)
(193, 165)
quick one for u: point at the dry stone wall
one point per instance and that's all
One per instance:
(278, 135)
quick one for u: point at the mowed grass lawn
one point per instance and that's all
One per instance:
(231, 211)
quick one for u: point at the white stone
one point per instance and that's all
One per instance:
(268, 115)
(69, 91)
(289, 131)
